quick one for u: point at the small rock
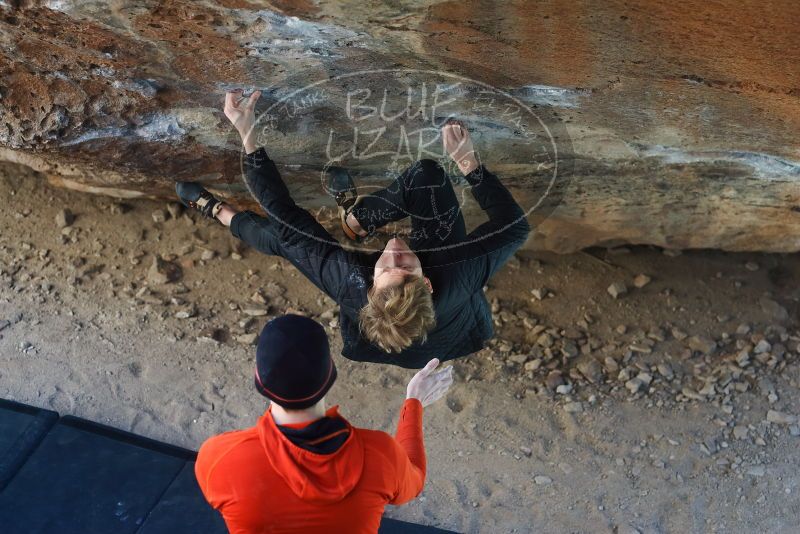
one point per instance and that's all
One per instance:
(634, 385)
(743, 329)
(545, 340)
(553, 380)
(573, 407)
(539, 293)
(710, 446)
(119, 208)
(179, 289)
(175, 209)
(611, 365)
(211, 334)
(656, 334)
(185, 314)
(751, 266)
(672, 252)
(513, 263)
(766, 386)
(703, 344)
(708, 390)
(533, 365)
(247, 339)
(740, 432)
(570, 349)
(159, 216)
(773, 309)
(691, 394)
(590, 369)
(527, 451)
(756, 470)
(679, 334)
(162, 271)
(794, 430)
(645, 378)
(762, 347)
(665, 370)
(273, 290)
(542, 480)
(617, 289)
(564, 389)
(64, 218)
(781, 418)
(641, 280)
(743, 358)
(255, 312)
(518, 358)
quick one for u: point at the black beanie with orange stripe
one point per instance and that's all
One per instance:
(294, 367)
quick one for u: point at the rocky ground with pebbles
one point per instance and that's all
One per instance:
(627, 390)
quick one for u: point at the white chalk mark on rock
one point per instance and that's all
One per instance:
(765, 166)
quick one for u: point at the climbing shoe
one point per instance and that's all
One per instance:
(341, 185)
(195, 196)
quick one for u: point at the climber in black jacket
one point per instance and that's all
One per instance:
(403, 305)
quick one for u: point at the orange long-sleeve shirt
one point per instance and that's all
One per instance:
(262, 482)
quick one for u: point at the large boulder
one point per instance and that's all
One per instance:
(668, 124)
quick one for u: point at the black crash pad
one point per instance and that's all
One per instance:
(393, 526)
(22, 428)
(183, 509)
(85, 478)
(74, 476)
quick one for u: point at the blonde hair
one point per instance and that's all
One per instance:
(396, 316)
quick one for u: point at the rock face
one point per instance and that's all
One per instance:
(636, 122)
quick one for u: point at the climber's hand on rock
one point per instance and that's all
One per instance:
(241, 112)
(458, 144)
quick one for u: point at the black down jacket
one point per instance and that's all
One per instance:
(458, 275)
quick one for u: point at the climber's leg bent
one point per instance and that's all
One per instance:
(423, 192)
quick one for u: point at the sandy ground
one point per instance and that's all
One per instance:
(652, 430)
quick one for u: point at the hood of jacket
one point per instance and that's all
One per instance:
(315, 478)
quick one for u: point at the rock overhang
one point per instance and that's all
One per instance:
(675, 137)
